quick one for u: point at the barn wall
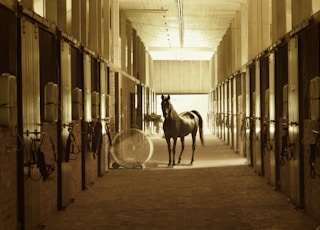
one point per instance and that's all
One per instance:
(181, 77)
(279, 132)
(28, 202)
(8, 145)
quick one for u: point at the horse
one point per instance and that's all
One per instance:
(180, 125)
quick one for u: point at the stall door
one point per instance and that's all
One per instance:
(248, 123)
(257, 118)
(103, 153)
(272, 124)
(66, 119)
(230, 113)
(86, 155)
(30, 70)
(293, 120)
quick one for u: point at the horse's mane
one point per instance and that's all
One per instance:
(173, 112)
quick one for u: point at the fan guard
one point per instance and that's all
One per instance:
(131, 148)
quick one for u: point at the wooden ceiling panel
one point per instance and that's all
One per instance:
(202, 24)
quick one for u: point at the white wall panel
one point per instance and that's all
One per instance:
(87, 87)
(218, 120)
(30, 76)
(103, 91)
(229, 114)
(258, 119)
(225, 111)
(30, 116)
(66, 99)
(182, 77)
(247, 111)
(272, 115)
(66, 118)
(87, 116)
(235, 112)
(293, 119)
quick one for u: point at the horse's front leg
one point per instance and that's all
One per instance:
(174, 151)
(169, 150)
(182, 148)
(193, 148)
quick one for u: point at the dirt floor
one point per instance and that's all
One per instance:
(219, 191)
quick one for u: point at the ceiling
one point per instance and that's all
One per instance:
(180, 29)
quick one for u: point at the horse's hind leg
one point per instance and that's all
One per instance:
(182, 148)
(193, 148)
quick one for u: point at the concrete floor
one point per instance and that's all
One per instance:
(218, 192)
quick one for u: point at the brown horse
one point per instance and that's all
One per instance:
(180, 125)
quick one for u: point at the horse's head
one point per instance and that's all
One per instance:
(166, 106)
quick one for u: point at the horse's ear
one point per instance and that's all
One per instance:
(168, 97)
(162, 97)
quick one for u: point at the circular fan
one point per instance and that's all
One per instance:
(131, 149)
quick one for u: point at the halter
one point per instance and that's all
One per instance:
(166, 106)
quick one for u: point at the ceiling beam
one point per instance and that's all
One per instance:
(144, 11)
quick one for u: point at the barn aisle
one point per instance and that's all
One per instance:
(218, 192)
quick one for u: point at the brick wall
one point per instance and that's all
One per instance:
(8, 179)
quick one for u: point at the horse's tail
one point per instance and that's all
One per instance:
(200, 125)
